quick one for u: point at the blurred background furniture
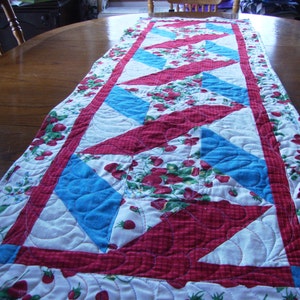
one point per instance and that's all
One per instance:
(279, 8)
(199, 5)
(194, 5)
(13, 22)
(36, 18)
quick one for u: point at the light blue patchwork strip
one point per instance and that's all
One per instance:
(219, 28)
(8, 253)
(149, 59)
(164, 33)
(127, 104)
(228, 90)
(247, 169)
(90, 199)
(221, 50)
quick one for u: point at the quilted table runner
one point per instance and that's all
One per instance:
(170, 172)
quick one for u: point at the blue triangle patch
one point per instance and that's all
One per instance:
(247, 169)
(90, 199)
(228, 90)
(131, 106)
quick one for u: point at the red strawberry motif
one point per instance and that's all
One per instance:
(74, 293)
(188, 162)
(51, 119)
(159, 204)
(296, 139)
(128, 224)
(195, 172)
(170, 148)
(163, 190)
(82, 88)
(58, 127)
(52, 143)
(47, 153)
(255, 196)
(118, 174)
(222, 178)
(190, 194)
(48, 277)
(233, 193)
(208, 184)
(276, 94)
(134, 209)
(190, 102)
(133, 164)
(40, 157)
(37, 142)
(18, 289)
(61, 137)
(187, 135)
(173, 179)
(112, 246)
(111, 167)
(103, 295)
(191, 141)
(204, 165)
(132, 89)
(159, 171)
(199, 81)
(171, 94)
(156, 160)
(160, 107)
(276, 113)
(151, 180)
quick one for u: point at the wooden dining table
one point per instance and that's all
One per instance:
(39, 74)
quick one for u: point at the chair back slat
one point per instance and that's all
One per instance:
(195, 6)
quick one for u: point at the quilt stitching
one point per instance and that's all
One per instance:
(113, 186)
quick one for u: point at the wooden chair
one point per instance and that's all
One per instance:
(13, 22)
(195, 5)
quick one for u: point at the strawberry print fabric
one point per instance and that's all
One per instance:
(170, 172)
